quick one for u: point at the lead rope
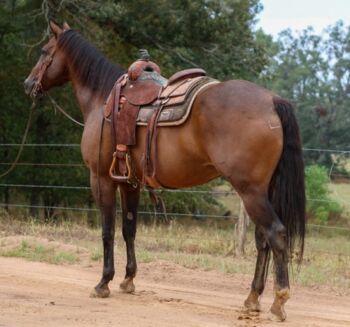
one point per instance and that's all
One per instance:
(24, 138)
(56, 106)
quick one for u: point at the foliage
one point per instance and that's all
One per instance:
(215, 35)
(319, 205)
(313, 71)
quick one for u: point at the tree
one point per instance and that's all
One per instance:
(216, 34)
(313, 71)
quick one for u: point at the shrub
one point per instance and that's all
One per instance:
(319, 205)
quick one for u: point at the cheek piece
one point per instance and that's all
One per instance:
(37, 88)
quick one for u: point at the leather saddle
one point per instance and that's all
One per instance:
(143, 89)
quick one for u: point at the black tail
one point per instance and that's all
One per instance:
(287, 189)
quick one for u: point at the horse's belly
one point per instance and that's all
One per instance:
(179, 161)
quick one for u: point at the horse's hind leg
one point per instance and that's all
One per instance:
(105, 198)
(129, 202)
(261, 268)
(261, 212)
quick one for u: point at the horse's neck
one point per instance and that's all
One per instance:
(87, 99)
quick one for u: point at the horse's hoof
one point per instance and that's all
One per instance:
(277, 313)
(101, 292)
(127, 285)
(252, 305)
(252, 302)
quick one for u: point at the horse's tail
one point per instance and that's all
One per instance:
(287, 188)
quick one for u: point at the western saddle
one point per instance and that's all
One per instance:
(143, 97)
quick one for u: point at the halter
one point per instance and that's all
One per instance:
(44, 66)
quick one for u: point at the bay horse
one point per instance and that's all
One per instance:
(236, 129)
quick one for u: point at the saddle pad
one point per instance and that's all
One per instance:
(178, 100)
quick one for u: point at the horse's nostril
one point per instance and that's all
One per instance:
(28, 85)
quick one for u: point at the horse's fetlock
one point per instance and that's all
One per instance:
(131, 269)
(108, 273)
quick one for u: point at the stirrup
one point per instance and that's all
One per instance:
(127, 178)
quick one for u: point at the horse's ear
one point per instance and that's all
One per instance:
(55, 29)
(66, 27)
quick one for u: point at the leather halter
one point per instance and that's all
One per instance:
(43, 68)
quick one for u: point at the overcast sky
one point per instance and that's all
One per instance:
(298, 14)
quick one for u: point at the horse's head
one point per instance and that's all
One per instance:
(51, 68)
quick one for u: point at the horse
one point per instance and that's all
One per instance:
(236, 130)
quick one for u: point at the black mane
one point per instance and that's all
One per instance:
(90, 65)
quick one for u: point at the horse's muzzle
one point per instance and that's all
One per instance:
(28, 86)
(33, 88)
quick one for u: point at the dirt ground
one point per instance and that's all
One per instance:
(39, 294)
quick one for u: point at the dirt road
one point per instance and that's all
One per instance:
(39, 294)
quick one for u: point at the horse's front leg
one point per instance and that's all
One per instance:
(104, 194)
(129, 201)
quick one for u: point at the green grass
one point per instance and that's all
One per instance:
(37, 252)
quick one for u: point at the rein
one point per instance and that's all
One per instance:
(24, 138)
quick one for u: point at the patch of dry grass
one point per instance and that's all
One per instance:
(340, 192)
(206, 244)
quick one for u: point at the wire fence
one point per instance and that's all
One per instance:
(74, 165)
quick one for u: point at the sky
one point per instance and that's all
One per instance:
(278, 15)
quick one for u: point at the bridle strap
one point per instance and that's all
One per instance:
(44, 66)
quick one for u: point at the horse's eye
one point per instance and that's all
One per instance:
(44, 52)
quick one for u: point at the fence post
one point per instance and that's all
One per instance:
(241, 230)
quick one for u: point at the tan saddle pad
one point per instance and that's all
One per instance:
(177, 100)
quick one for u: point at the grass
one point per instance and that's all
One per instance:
(340, 192)
(96, 254)
(206, 244)
(38, 252)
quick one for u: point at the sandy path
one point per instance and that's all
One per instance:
(39, 294)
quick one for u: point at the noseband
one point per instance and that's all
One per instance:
(37, 88)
